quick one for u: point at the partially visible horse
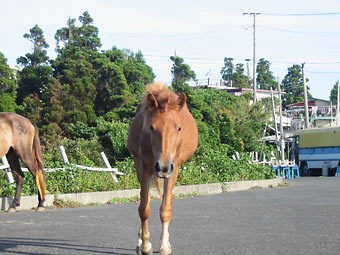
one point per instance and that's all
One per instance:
(162, 136)
(19, 139)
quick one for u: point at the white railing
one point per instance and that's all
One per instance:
(113, 171)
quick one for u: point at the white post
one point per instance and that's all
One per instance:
(8, 170)
(264, 159)
(63, 154)
(107, 163)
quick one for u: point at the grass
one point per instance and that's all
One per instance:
(122, 200)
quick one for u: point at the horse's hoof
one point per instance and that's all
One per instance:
(11, 210)
(140, 252)
(164, 252)
(40, 209)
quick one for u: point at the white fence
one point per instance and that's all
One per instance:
(113, 171)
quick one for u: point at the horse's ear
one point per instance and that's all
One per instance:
(152, 102)
(181, 100)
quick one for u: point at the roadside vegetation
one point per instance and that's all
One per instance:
(85, 100)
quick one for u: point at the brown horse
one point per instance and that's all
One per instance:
(162, 136)
(19, 139)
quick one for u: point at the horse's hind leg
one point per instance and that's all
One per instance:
(14, 163)
(32, 165)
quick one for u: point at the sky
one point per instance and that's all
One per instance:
(201, 32)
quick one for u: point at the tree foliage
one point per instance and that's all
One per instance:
(35, 77)
(8, 88)
(334, 93)
(292, 84)
(39, 54)
(181, 72)
(234, 75)
(265, 78)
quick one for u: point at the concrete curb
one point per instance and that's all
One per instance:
(29, 202)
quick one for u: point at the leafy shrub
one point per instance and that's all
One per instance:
(113, 137)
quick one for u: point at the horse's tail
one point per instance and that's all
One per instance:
(39, 178)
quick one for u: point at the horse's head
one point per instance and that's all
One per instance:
(165, 127)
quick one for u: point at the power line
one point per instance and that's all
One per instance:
(244, 59)
(302, 14)
(299, 32)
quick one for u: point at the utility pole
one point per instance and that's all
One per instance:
(275, 122)
(305, 96)
(337, 107)
(254, 55)
(282, 138)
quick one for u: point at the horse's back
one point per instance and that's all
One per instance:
(15, 129)
(16, 122)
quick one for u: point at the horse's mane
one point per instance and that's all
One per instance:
(166, 97)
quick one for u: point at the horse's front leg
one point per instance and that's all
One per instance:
(144, 246)
(166, 213)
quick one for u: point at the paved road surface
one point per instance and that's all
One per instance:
(303, 218)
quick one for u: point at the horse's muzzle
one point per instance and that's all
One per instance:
(164, 170)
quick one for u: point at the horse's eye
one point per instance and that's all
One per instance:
(179, 129)
(151, 128)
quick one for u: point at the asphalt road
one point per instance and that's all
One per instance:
(302, 218)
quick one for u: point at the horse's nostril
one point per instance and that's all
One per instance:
(172, 167)
(157, 167)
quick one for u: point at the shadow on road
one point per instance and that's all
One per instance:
(31, 247)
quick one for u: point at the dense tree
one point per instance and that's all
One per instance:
(234, 75)
(137, 72)
(265, 78)
(89, 83)
(85, 36)
(39, 54)
(78, 91)
(181, 72)
(334, 93)
(292, 84)
(240, 80)
(228, 70)
(7, 87)
(75, 71)
(36, 74)
(112, 91)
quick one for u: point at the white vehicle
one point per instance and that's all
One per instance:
(317, 151)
